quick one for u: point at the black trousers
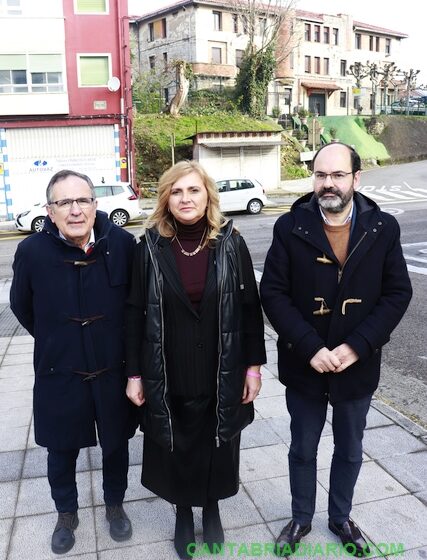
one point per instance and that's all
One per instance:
(61, 473)
(308, 417)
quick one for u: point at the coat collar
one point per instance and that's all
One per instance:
(102, 228)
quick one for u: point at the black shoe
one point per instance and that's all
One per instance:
(351, 538)
(63, 535)
(120, 526)
(213, 533)
(184, 531)
(290, 536)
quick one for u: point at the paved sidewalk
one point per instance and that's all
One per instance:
(389, 503)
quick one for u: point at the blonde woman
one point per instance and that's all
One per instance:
(195, 345)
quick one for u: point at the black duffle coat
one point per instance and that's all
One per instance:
(73, 305)
(366, 297)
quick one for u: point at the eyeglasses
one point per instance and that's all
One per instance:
(336, 176)
(66, 203)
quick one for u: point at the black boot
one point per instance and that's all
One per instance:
(63, 536)
(184, 531)
(213, 533)
(120, 525)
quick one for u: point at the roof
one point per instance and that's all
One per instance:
(318, 84)
(375, 29)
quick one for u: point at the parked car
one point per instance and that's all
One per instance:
(118, 200)
(415, 107)
(241, 194)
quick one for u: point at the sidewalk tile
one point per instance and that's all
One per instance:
(17, 417)
(152, 520)
(264, 462)
(270, 407)
(18, 399)
(422, 496)
(11, 464)
(20, 349)
(415, 477)
(239, 541)
(5, 532)
(414, 554)
(373, 484)
(389, 441)
(13, 439)
(376, 418)
(21, 383)
(162, 550)
(40, 528)
(273, 499)
(19, 340)
(8, 497)
(395, 520)
(17, 359)
(271, 388)
(238, 511)
(35, 498)
(14, 371)
(259, 433)
(266, 373)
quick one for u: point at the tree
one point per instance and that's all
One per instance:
(147, 91)
(183, 72)
(269, 26)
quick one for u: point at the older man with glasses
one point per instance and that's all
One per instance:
(334, 287)
(69, 289)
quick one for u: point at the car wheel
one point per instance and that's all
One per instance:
(37, 224)
(254, 206)
(119, 217)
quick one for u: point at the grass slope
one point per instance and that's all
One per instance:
(351, 130)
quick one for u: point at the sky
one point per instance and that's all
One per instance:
(407, 17)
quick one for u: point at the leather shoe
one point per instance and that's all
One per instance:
(120, 525)
(184, 531)
(350, 535)
(290, 536)
(63, 535)
(213, 533)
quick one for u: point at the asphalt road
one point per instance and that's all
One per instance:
(400, 190)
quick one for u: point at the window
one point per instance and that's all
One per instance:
(291, 60)
(335, 35)
(46, 81)
(307, 32)
(262, 26)
(166, 95)
(317, 33)
(239, 57)
(10, 7)
(326, 35)
(152, 62)
(377, 44)
(34, 73)
(358, 41)
(371, 42)
(235, 23)
(343, 68)
(343, 99)
(307, 64)
(90, 6)
(317, 64)
(157, 29)
(326, 66)
(217, 21)
(165, 59)
(387, 46)
(216, 55)
(356, 103)
(13, 81)
(93, 70)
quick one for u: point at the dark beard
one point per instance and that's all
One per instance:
(334, 205)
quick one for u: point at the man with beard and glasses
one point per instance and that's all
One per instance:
(334, 287)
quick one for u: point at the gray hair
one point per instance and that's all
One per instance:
(63, 174)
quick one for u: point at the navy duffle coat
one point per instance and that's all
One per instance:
(73, 305)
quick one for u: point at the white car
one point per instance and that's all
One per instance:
(241, 194)
(118, 200)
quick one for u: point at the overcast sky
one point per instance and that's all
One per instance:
(407, 17)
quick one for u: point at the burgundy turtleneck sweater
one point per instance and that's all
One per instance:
(193, 270)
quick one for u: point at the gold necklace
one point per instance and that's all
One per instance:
(196, 250)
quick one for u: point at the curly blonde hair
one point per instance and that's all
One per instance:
(163, 220)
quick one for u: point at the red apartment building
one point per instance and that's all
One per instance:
(65, 95)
